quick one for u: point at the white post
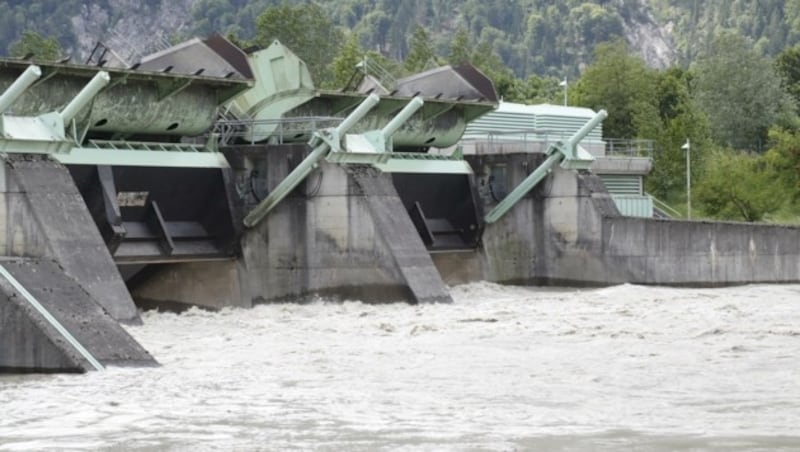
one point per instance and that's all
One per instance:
(565, 84)
(687, 147)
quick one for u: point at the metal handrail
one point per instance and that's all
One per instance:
(228, 130)
(629, 147)
(664, 207)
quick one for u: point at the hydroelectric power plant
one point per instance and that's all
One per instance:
(206, 176)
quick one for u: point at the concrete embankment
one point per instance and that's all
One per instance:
(700, 253)
(42, 214)
(50, 245)
(567, 231)
(32, 343)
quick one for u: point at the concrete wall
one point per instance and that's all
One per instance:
(343, 233)
(51, 245)
(568, 231)
(32, 344)
(700, 253)
(321, 240)
(42, 215)
(213, 284)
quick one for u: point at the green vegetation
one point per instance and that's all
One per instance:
(36, 46)
(733, 91)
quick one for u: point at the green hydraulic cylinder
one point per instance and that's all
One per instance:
(566, 152)
(405, 114)
(85, 96)
(307, 165)
(22, 83)
(534, 178)
(570, 148)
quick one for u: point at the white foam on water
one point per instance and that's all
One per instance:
(504, 368)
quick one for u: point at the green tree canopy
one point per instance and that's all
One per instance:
(740, 92)
(788, 66)
(306, 30)
(420, 51)
(739, 186)
(784, 157)
(459, 47)
(680, 121)
(344, 64)
(621, 84)
(32, 43)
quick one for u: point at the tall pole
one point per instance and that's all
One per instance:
(688, 148)
(566, 85)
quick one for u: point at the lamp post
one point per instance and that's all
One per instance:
(687, 147)
(565, 84)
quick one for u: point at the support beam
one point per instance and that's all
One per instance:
(22, 83)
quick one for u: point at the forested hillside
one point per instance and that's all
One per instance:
(530, 36)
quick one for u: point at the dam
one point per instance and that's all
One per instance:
(207, 176)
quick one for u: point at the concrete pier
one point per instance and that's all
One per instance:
(343, 234)
(32, 344)
(43, 215)
(51, 246)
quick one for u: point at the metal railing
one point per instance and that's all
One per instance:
(542, 139)
(664, 207)
(279, 131)
(529, 140)
(616, 147)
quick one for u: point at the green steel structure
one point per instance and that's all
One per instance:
(53, 108)
(568, 153)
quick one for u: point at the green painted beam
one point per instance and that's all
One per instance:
(119, 157)
(424, 166)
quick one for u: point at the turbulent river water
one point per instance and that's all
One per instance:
(504, 368)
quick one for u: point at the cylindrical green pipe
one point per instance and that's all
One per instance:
(363, 108)
(400, 119)
(307, 165)
(534, 178)
(98, 82)
(19, 86)
(586, 129)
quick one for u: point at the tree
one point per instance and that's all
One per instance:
(680, 120)
(621, 84)
(784, 157)
(345, 62)
(306, 30)
(740, 92)
(539, 90)
(489, 62)
(739, 186)
(420, 51)
(787, 65)
(459, 47)
(42, 48)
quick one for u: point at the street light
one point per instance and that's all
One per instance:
(565, 84)
(687, 147)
